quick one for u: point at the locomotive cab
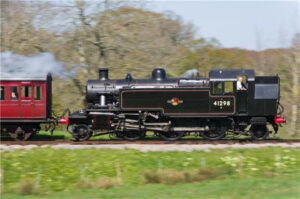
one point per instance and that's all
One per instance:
(259, 95)
(257, 99)
(225, 82)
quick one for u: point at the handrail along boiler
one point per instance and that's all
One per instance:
(210, 107)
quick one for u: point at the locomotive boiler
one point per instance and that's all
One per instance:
(228, 101)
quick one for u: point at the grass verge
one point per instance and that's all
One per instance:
(248, 188)
(56, 170)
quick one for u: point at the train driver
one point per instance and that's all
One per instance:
(239, 84)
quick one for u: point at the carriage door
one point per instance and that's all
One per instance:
(39, 97)
(242, 94)
(26, 100)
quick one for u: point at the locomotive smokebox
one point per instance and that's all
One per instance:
(103, 74)
(159, 74)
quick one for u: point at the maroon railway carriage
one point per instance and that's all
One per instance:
(25, 103)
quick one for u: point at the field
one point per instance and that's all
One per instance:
(275, 188)
(92, 173)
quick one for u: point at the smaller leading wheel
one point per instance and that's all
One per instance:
(171, 135)
(259, 132)
(81, 132)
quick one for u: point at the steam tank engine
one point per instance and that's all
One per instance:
(229, 101)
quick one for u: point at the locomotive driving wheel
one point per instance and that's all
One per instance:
(259, 132)
(116, 135)
(81, 132)
(171, 135)
(133, 135)
(215, 132)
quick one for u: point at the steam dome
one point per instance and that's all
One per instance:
(159, 74)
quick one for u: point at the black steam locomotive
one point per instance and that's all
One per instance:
(229, 101)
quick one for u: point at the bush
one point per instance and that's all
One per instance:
(269, 174)
(85, 184)
(164, 176)
(27, 187)
(201, 175)
(169, 176)
(101, 183)
(106, 183)
(152, 177)
(207, 174)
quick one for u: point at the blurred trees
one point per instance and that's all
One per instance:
(125, 37)
(293, 59)
(17, 30)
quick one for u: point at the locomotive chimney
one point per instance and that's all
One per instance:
(103, 74)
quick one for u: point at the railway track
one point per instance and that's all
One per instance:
(151, 142)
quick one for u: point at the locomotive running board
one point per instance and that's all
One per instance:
(189, 129)
(101, 113)
(165, 128)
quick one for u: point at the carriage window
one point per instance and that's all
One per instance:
(218, 88)
(228, 87)
(2, 93)
(26, 91)
(37, 92)
(14, 95)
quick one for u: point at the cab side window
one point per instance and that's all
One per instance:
(228, 87)
(14, 95)
(26, 91)
(2, 93)
(38, 93)
(218, 88)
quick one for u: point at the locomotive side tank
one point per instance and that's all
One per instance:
(229, 101)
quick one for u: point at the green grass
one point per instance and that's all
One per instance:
(249, 188)
(60, 170)
(57, 134)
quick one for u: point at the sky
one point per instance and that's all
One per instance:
(255, 25)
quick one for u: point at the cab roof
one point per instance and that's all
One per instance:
(231, 74)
